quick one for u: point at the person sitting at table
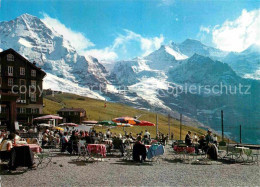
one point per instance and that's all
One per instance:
(188, 139)
(202, 144)
(45, 137)
(96, 139)
(2, 137)
(118, 144)
(73, 143)
(64, 141)
(209, 138)
(195, 138)
(215, 139)
(17, 136)
(147, 134)
(146, 140)
(131, 136)
(128, 142)
(108, 134)
(6, 147)
(88, 138)
(139, 150)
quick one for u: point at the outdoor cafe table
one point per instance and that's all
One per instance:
(184, 148)
(34, 147)
(242, 150)
(97, 148)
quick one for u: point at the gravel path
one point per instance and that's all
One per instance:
(65, 171)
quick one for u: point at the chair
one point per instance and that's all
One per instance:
(233, 152)
(222, 151)
(82, 150)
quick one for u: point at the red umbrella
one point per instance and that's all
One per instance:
(48, 117)
(145, 123)
(69, 124)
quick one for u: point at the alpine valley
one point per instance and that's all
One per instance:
(189, 77)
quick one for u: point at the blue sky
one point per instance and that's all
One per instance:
(140, 26)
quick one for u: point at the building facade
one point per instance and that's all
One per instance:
(20, 81)
(72, 115)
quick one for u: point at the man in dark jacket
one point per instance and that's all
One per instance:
(188, 139)
(139, 150)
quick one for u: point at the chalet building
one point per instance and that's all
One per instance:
(72, 115)
(20, 89)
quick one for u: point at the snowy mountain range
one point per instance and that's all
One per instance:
(151, 82)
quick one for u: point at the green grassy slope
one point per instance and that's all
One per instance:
(96, 111)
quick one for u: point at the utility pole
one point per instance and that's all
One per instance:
(156, 124)
(222, 125)
(169, 125)
(180, 125)
(240, 133)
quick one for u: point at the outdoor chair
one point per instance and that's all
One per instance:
(222, 152)
(233, 153)
(82, 150)
(256, 154)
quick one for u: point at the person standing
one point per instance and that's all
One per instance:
(188, 139)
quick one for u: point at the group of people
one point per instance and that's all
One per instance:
(14, 154)
(207, 143)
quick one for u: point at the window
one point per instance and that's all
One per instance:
(22, 82)
(22, 71)
(35, 110)
(10, 70)
(10, 82)
(33, 97)
(22, 110)
(33, 73)
(33, 83)
(10, 57)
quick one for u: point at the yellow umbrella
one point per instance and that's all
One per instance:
(58, 128)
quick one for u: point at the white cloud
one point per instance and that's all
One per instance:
(125, 44)
(105, 55)
(76, 39)
(121, 48)
(205, 29)
(239, 34)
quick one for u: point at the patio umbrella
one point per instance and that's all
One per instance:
(58, 128)
(128, 120)
(89, 122)
(107, 123)
(124, 125)
(48, 117)
(68, 124)
(145, 123)
(44, 125)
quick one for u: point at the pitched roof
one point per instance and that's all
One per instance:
(23, 58)
(71, 110)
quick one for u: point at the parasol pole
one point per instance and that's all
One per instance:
(180, 125)
(169, 124)
(156, 124)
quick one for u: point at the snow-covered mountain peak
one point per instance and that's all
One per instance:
(36, 41)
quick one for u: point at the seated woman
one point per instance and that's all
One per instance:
(139, 150)
(202, 144)
(6, 146)
(146, 140)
